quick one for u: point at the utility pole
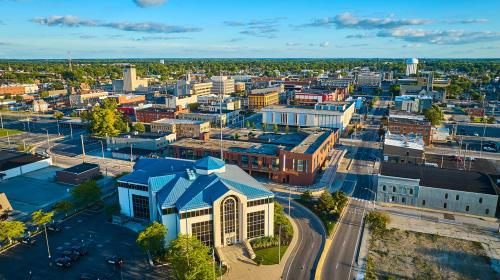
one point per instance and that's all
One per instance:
(47, 240)
(289, 199)
(1, 119)
(131, 152)
(8, 138)
(71, 130)
(83, 147)
(279, 245)
(102, 149)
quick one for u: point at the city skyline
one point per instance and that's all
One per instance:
(264, 29)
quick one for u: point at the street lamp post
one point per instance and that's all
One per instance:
(279, 245)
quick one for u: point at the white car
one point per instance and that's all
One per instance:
(489, 149)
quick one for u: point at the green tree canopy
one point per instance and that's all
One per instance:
(152, 238)
(139, 127)
(40, 217)
(306, 196)
(190, 259)
(86, 193)
(325, 202)
(281, 220)
(11, 229)
(63, 207)
(58, 115)
(340, 201)
(377, 222)
(107, 120)
(434, 114)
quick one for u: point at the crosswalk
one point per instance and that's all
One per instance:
(361, 200)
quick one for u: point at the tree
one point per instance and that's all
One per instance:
(139, 127)
(193, 107)
(106, 120)
(340, 201)
(434, 114)
(190, 259)
(86, 193)
(247, 124)
(44, 94)
(395, 89)
(377, 222)
(10, 230)
(236, 136)
(287, 129)
(281, 220)
(264, 126)
(19, 98)
(58, 115)
(326, 202)
(40, 217)
(63, 207)
(306, 196)
(275, 128)
(152, 238)
(253, 125)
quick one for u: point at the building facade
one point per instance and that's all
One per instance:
(144, 140)
(216, 202)
(130, 81)
(182, 128)
(296, 164)
(325, 115)
(150, 114)
(447, 190)
(408, 125)
(222, 85)
(260, 98)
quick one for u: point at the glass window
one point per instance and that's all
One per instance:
(255, 224)
(457, 197)
(300, 165)
(487, 211)
(467, 208)
(445, 196)
(445, 205)
(140, 206)
(383, 187)
(204, 232)
(480, 200)
(423, 202)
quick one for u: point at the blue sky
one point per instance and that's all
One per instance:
(200, 28)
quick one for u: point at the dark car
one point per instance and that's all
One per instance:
(87, 276)
(63, 262)
(71, 255)
(115, 260)
(54, 227)
(26, 240)
(80, 249)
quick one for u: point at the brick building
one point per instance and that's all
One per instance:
(406, 125)
(151, 114)
(295, 162)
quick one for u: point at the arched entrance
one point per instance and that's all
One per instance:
(230, 223)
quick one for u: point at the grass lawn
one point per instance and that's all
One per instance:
(3, 132)
(269, 256)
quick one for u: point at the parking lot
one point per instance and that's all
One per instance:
(102, 239)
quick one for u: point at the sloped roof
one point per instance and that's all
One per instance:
(169, 179)
(209, 163)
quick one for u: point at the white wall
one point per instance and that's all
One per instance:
(125, 199)
(13, 172)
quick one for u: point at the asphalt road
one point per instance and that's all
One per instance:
(339, 262)
(303, 261)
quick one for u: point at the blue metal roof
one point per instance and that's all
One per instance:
(169, 180)
(209, 163)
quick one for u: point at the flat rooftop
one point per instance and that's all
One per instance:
(452, 179)
(153, 109)
(233, 146)
(144, 135)
(177, 121)
(80, 168)
(312, 142)
(9, 160)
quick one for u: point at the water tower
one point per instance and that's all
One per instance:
(411, 66)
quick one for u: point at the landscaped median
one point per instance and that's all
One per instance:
(10, 132)
(330, 208)
(270, 250)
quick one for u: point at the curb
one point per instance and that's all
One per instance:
(328, 243)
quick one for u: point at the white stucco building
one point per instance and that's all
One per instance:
(219, 204)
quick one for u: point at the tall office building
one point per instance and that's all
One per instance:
(222, 85)
(130, 81)
(411, 66)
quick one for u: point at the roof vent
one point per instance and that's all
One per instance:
(191, 174)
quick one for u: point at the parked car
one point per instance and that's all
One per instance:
(489, 149)
(80, 249)
(54, 227)
(63, 262)
(71, 255)
(115, 260)
(26, 240)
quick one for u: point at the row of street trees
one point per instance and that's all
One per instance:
(188, 257)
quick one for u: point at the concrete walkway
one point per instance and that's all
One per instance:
(241, 267)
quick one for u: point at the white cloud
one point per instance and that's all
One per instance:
(148, 27)
(440, 37)
(325, 44)
(348, 20)
(149, 3)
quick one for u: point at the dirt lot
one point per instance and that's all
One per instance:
(403, 254)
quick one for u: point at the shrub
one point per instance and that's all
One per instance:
(377, 222)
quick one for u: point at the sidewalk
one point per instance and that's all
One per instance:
(243, 268)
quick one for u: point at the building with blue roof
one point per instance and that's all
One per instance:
(218, 203)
